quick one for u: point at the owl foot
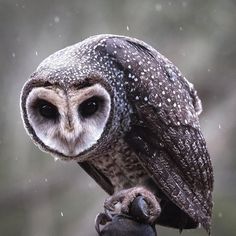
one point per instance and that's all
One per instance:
(137, 201)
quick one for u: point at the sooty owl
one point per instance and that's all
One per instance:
(127, 115)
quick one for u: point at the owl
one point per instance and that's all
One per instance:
(130, 119)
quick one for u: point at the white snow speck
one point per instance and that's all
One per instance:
(91, 185)
(158, 7)
(62, 213)
(56, 19)
(219, 126)
(13, 55)
(184, 4)
(127, 28)
(56, 158)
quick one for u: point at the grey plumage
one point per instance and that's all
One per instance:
(152, 136)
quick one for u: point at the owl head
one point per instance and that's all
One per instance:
(71, 106)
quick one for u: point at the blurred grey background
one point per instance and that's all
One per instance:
(43, 197)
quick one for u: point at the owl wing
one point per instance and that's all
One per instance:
(165, 131)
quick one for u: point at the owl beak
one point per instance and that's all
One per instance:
(69, 125)
(69, 128)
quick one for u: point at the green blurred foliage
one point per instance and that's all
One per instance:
(40, 196)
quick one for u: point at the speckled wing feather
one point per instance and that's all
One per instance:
(176, 170)
(166, 109)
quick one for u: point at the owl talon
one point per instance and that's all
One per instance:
(138, 202)
(101, 219)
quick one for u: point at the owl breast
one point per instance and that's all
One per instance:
(120, 165)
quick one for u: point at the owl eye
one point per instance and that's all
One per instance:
(47, 110)
(90, 106)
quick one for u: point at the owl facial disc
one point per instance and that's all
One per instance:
(68, 122)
